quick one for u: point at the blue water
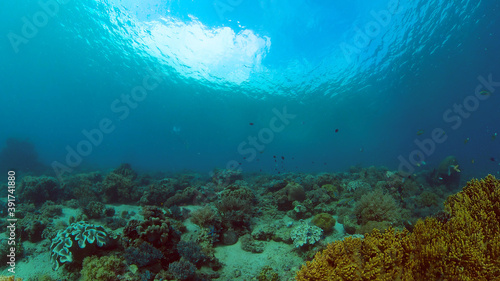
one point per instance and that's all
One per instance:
(381, 72)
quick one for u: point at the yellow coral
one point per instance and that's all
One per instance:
(102, 268)
(466, 246)
(324, 221)
(9, 278)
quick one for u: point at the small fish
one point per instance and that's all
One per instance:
(472, 161)
(466, 140)
(484, 93)
(420, 132)
(493, 159)
(455, 167)
(423, 163)
(251, 124)
(282, 157)
(494, 136)
(336, 130)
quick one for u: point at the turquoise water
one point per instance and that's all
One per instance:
(383, 73)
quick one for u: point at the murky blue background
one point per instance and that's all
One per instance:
(384, 73)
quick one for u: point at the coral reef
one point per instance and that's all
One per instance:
(226, 177)
(106, 268)
(32, 222)
(448, 173)
(352, 186)
(94, 210)
(143, 255)
(10, 278)
(256, 211)
(185, 197)
(229, 237)
(324, 221)
(305, 234)
(267, 273)
(157, 230)
(159, 192)
(182, 269)
(205, 217)
(38, 190)
(63, 248)
(377, 206)
(295, 192)
(125, 170)
(119, 189)
(191, 251)
(463, 246)
(248, 244)
(84, 187)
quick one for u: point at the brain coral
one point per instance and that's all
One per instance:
(466, 246)
(79, 233)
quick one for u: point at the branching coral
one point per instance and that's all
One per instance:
(119, 188)
(161, 233)
(159, 192)
(377, 206)
(39, 189)
(205, 217)
(465, 246)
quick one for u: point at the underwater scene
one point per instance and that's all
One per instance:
(245, 140)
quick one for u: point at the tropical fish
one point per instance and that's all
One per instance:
(455, 167)
(466, 140)
(494, 136)
(421, 164)
(484, 93)
(420, 132)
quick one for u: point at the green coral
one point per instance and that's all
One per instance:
(324, 221)
(78, 233)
